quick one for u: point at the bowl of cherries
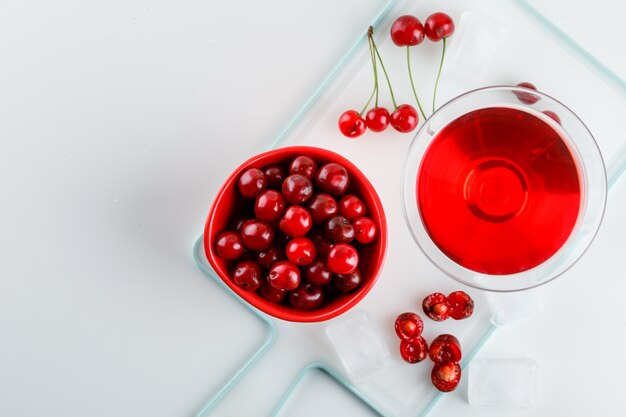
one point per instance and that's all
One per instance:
(297, 232)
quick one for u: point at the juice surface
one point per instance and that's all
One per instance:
(499, 191)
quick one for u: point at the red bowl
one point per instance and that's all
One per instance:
(228, 202)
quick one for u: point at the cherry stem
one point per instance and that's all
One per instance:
(408, 61)
(375, 91)
(370, 32)
(443, 55)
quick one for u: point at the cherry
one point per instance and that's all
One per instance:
(275, 175)
(304, 166)
(364, 230)
(300, 251)
(322, 207)
(408, 325)
(269, 206)
(438, 26)
(526, 97)
(351, 124)
(407, 31)
(436, 306)
(257, 235)
(342, 258)
(351, 207)
(269, 257)
(446, 376)
(271, 293)
(348, 282)
(296, 222)
(322, 245)
(552, 115)
(306, 296)
(229, 245)
(461, 305)
(284, 275)
(252, 182)
(404, 119)
(377, 119)
(414, 350)
(445, 348)
(318, 273)
(297, 189)
(248, 275)
(339, 230)
(333, 178)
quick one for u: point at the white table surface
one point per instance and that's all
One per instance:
(118, 121)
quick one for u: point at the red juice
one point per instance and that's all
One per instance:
(499, 191)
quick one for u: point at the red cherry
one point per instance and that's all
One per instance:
(339, 230)
(407, 31)
(436, 306)
(351, 124)
(306, 297)
(275, 175)
(342, 258)
(284, 275)
(229, 245)
(445, 348)
(248, 275)
(271, 293)
(377, 119)
(297, 189)
(348, 282)
(352, 207)
(257, 235)
(446, 376)
(296, 222)
(527, 97)
(300, 251)
(552, 115)
(269, 206)
(408, 325)
(414, 350)
(438, 26)
(322, 207)
(318, 273)
(252, 182)
(404, 119)
(364, 230)
(461, 305)
(269, 257)
(333, 178)
(322, 245)
(304, 166)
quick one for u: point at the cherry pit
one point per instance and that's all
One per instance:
(298, 237)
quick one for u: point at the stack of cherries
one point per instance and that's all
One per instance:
(445, 349)
(301, 246)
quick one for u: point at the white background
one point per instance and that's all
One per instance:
(118, 122)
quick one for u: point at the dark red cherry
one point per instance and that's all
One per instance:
(297, 189)
(304, 166)
(333, 178)
(306, 296)
(252, 182)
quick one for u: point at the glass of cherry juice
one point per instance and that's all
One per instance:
(504, 188)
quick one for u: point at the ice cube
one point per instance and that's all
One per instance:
(512, 306)
(473, 47)
(359, 345)
(503, 382)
